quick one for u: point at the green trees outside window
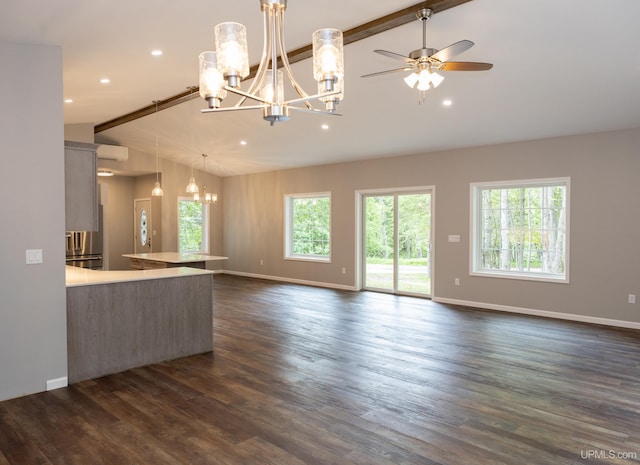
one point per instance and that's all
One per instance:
(308, 227)
(522, 228)
(192, 227)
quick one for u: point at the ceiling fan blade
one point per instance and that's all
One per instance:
(452, 50)
(395, 56)
(386, 72)
(465, 66)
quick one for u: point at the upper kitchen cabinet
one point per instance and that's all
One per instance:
(81, 186)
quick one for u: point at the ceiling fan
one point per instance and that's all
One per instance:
(424, 62)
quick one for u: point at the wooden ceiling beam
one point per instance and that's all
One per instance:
(371, 28)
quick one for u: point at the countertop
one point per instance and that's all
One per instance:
(76, 276)
(174, 257)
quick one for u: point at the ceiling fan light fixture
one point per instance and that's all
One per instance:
(424, 79)
(436, 79)
(411, 80)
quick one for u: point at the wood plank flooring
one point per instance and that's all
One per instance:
(303, 375)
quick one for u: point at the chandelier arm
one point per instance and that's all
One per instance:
(310, 97)
(220, 109)
(285, 63)
(314, 110)
(258, 79)
(246, 95)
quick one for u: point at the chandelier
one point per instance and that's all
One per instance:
(204, 197)
(222, 70)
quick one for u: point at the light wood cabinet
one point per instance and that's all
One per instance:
(81, 186)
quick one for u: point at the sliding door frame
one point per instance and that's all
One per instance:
(360, 229)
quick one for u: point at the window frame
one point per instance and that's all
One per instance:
(475, 244)
(288, 227)
(205, 226)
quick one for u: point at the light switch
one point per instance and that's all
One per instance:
(34, 256)
(454, 238)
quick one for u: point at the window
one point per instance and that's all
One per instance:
(193, 226)
(520, 229)
(308, 226)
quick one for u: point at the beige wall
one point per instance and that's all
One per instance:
(605, 224)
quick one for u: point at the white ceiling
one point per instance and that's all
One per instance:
(560, 67)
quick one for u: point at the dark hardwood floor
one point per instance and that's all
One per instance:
(303, 375)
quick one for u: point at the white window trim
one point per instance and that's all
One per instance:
(288, 227)
(205, 222)
(475, 238)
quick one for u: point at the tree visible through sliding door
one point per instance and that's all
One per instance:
(397, 242)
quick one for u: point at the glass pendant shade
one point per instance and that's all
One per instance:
(192, 187)
(328, 57)
(157, 190)
(233, 55)
(211, 80)
(271, 93)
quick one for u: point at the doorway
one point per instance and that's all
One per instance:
(396, 242)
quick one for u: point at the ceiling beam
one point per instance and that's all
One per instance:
(382, 24)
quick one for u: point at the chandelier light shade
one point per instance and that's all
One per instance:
(211, 79)
(231, 45)
(231, 59)
(328, 65)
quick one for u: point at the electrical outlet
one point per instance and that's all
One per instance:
(632, 298)
(456, 281)
(344, 271)
(261, 262)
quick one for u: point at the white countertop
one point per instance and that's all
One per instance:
(174, 257)
(76, 276)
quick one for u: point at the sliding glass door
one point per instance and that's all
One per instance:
(397, 242)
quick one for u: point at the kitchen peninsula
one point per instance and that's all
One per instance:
(147, 261)
(117, 320)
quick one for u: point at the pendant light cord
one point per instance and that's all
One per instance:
(157, 158)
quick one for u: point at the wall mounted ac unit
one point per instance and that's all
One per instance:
(113, 152)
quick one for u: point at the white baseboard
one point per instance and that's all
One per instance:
(57, 383)
(290, 280)
(541, 313)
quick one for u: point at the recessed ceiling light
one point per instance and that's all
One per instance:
(156, 53)
(105, 81)
(243, 142)
(447, 103)
(325, 126)
(105, 173)
(68, 100)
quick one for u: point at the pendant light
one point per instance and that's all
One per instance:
(206, 197)
(192, 187)
(157, 190)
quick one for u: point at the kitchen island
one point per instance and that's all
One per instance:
(117, 320)
(153, 260)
